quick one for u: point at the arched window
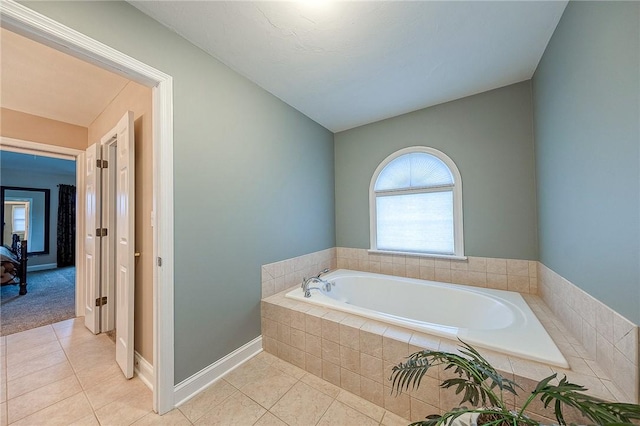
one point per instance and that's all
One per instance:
(416, 204)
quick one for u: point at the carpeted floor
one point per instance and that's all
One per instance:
(50, 298)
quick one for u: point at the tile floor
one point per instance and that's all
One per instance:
(61, 374)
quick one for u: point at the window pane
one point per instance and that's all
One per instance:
(416, 169)
(427, 170)
(19, 212)
(416, 222)
(19, 218)
(396, 174)
(19, 225)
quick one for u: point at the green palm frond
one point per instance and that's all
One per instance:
(595, 409)
(493, 417)
(480, 385)
(477, 380)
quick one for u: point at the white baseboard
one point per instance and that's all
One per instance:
(42, 267)
(190, 387)
(143, 369)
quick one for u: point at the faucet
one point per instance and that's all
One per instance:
(326, 286)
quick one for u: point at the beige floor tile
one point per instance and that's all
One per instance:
(266, 357)
(341, 414)
(43, 397)
(30, 342)
(321, 385)
(362, 405)
(269, 390)
(269, 420)
(391, 419)
(302, 405)
(127, 409)
(91, 355)
(65, 412)
(18, 357)
(3, 414)
(89, 420)
(112, 390)
(92, 345)
(38, 379)
(3, 391)
(212, 396)
(252, 370)
(35, 364)
(237, 410)
(172, 418)
(64, 328)
(98, 374)
(35, 334)
(290, 369)
(76, 337)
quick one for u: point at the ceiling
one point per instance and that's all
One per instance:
(39, 80)
(345, 64)
(16, 161)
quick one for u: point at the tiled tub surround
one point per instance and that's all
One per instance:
(494, 319)
(609, 343)
(501, 274)
(608, 338)
(357, 354)
(278, 276)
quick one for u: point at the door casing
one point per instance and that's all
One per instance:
(30, 24)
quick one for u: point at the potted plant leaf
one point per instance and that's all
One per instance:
(484, 389)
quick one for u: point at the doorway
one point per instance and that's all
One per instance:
(28, 23)
(38, 197)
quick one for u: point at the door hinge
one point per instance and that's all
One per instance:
(101, 232)
(102, 164)
(159, 261)
(101, 301)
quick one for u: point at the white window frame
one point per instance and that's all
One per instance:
(458, 231)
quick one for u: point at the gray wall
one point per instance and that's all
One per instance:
(37, 179)
(488, 136)
(586, 107)
(253, 180)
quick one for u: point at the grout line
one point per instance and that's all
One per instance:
(75, 376)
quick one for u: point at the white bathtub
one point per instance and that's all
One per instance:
(493, 319)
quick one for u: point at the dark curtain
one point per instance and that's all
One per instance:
(66, 225)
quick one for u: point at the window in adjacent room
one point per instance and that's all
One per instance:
(416, 204)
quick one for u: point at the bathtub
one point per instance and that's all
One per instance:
(493, 319)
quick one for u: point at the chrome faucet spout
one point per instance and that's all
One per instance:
(326, 286)
(324, 271)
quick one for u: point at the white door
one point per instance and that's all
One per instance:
(125, 243)
(91, 240)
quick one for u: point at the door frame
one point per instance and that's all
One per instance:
(35, 26)
(29, 147)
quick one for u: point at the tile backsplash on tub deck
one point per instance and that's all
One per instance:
(277, 276)
(502, 274)
(609, 338)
